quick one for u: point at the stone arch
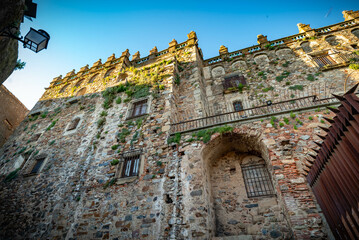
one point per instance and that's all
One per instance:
(355, 32)
(226, 159)
(306, 47)
(81, 92)
(64, 88)
(284, 53)
(261, 59)
(218, 71)
(92, 79)
(335, 40)
(78, 84)
(107, 74)
(239, 65)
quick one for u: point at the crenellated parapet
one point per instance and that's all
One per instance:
(306, 33)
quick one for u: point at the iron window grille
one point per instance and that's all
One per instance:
(139, 108)
(73, 124)
(237, 106)
(37, 166)
(233, 81)
(257, 180)
(131, 163)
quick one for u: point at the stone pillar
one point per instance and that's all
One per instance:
(172, 45)
(110, 59)
(136, 56)
(83, 69)
(192, 38)
(56, 79)
(349, 15)
(153, 52)
(124, 59)
(262, 41)
(305, 28)
(99, 62)
(223, 50)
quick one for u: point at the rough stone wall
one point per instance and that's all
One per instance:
(263, 68)
(11, 14)
(296, 214)
(12, 112)
(185, 189)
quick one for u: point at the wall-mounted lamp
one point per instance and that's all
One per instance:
(36, 40)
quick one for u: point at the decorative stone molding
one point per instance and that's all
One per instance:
(261, 39)
(349, 15)
(136, 56)
(223, 50)
(172, 45)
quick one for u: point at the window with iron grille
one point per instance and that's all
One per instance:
(139, 108)
(73, 124)
(257, 180)
(324, 60)
(237, 106)
(37, 166)
(233, 81)
(131, 164)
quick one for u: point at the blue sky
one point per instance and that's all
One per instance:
(82, 31)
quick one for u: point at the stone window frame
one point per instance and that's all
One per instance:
(120, 179)
(228, 82)
(264, 181)
(131, 105)
(234, 105)
(68, 132)
(31, 163)
(325, 53)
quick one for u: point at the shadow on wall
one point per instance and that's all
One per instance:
(242, 197)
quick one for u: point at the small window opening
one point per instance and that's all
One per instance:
(8, 124)
(35, 137)
(257, 181)
(139, 108)
(131, 165)
(237, 105)
(233, 81)
(37, 166)
(73, 124)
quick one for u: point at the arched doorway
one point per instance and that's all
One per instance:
(241, 194)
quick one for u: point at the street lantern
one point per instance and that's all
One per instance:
(36, 40)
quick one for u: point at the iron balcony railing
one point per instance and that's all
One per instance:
(252, 113)
(329, 61)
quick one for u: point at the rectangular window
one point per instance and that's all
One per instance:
(257, 181)
(324, 60)
(234, 81)
(37, 166)
(131, 165)
(139, 108)
(237, 106)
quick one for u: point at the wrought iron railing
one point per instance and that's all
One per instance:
(329, 61)
(252, 113)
